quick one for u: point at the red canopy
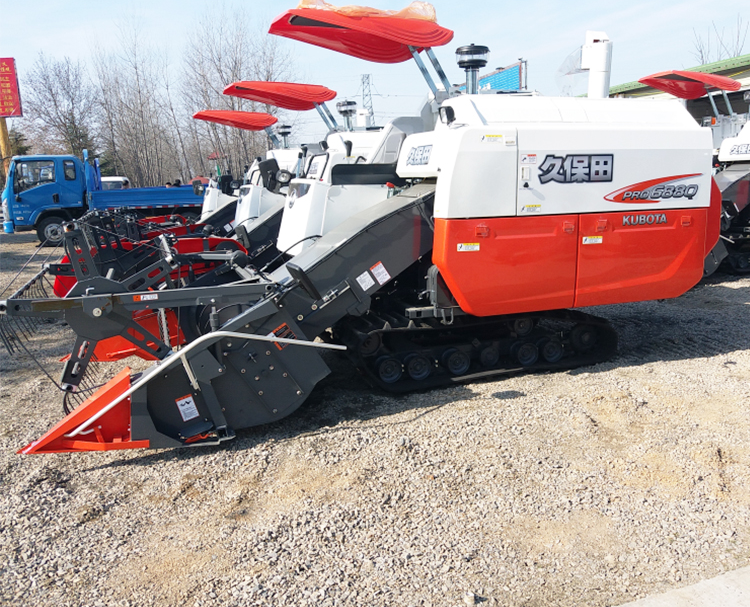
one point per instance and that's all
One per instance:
(381, 39)
(286, 95)
(689, 85)
(251, 121)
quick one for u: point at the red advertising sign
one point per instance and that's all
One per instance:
(10, 97)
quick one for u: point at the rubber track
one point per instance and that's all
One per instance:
(470, 334)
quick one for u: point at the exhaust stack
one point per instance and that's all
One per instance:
(347, 109)
(596, 57)
(471, 59)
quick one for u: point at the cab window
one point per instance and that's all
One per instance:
(34, 173)
(69, 167)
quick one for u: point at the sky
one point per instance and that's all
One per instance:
(647, 37)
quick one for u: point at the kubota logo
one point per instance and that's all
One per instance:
(655, 190)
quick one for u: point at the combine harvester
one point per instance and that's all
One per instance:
(487, 230)
(733, 179)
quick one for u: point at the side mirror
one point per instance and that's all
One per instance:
(56, 198)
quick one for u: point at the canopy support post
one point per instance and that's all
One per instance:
(272, 136)
(713, 105)
(439, 70)
(327, 117)
(726, 100)
(423, 69)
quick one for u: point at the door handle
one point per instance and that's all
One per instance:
(55, 197)
(569, 227)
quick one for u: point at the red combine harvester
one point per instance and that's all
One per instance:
(509, 211)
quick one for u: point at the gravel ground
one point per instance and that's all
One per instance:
(590, 487)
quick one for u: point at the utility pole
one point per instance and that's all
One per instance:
(4, 146)
(366, 93)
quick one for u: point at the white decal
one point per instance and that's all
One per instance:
(528, 158)
(365, 280)
(531, 208)
(148, 297)
(186, 407)
(492, 138)
(380, 273)
(593, 239)
(467, 246)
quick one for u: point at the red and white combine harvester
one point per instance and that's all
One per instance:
(457, 249)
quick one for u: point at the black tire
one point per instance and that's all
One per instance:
(418, 366)
(489, 356)
(526, 353)
(583, 337)
(523, 326)
(552, 350)
(456, 361)
(49, 230)
(389, 369)
(370, 344)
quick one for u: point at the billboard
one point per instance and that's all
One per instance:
(510, 78)
(10, 97)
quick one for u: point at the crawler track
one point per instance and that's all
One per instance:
(400, 355)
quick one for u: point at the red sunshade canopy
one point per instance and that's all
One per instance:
(286, 95)
(689, 85)
(250, 121)
(381, 39)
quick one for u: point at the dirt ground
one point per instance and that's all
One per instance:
(588, 487)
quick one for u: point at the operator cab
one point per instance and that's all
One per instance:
(349, 176)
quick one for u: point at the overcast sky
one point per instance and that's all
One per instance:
(648, 37)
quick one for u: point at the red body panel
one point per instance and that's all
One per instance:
(110, 431)
(523, 264)
(507, 265)
(639, 262)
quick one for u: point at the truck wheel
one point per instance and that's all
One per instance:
(49, 231)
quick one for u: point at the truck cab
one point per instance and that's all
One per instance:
(41, 192)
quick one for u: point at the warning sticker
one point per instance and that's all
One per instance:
(531, 208)
(593, 239)
(492, 138)
(365, 280)
(463, 247)
(380, 273)
(186, 407)
(147, 297)
(284, 332)
(528, 158)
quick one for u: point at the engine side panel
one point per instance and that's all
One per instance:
(639, 256)
(506, 265)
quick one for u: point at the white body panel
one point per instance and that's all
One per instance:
(506, 156)
(736, 149)
(214, 199)
(314, 206)
(254, 199)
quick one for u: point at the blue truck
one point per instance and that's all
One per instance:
(42, 192)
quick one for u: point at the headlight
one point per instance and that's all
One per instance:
(283, 177)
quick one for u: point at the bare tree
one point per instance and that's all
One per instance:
(718, 45)
(134, 123)
(61, 100)
(215, 58)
